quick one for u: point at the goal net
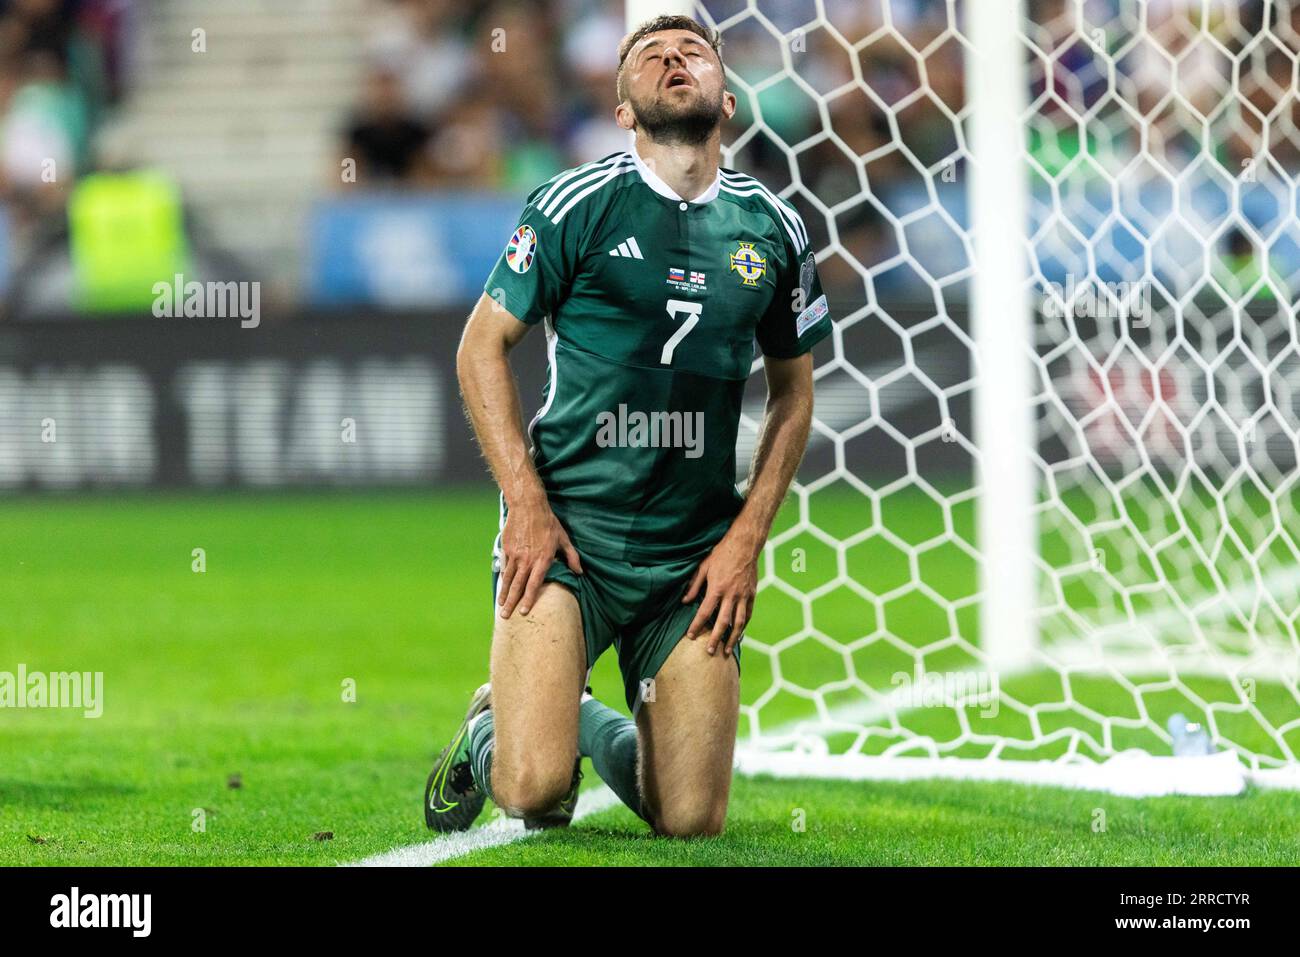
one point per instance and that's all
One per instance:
(1047, 526)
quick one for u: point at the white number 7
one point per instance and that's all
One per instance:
(693, 309)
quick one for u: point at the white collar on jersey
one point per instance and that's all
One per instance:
(653, 180)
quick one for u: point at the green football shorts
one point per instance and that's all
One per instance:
(636, 608)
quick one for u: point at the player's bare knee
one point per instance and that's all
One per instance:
(689, 825)
(702, 820)
(530, 789)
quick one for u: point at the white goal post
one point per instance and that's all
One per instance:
(1048, 528)
(997, 81)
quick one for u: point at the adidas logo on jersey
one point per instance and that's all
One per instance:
(628, 249)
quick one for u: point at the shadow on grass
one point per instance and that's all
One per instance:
(42, 795)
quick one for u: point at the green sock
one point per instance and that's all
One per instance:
(609, 739)
(481, 741)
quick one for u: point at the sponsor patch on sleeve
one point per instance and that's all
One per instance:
(811, 316)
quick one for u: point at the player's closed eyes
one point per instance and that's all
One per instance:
(656, 56)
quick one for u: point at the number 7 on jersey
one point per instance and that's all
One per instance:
(693, 310)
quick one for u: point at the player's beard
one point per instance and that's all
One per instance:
(687, 124)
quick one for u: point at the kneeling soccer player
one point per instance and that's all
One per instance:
(654, 271)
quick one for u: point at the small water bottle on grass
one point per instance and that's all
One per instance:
(1190, 738)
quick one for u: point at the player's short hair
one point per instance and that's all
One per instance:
(665, 22)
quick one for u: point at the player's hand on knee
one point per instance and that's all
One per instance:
(729, 577)
(531, 540)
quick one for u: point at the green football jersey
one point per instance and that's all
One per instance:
(652, 305)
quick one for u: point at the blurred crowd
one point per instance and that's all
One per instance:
(502, 95)
(62, 65)
(1231, 63)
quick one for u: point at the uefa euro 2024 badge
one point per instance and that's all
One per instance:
(522, 249)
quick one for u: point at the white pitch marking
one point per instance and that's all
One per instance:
(505, 831)
(751, 760)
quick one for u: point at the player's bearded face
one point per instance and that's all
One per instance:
(677, 100)
(678, 117)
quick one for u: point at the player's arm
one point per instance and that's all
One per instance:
(796, 320)
(530, 281)
(532, 536)
(731, 569)
(782, 439)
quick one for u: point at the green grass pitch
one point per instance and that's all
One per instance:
(241, 671)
